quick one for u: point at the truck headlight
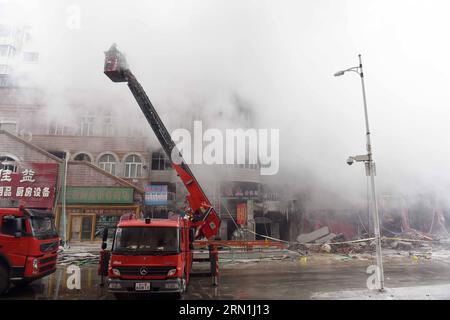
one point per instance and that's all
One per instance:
(35, 264)
(172, 272)
(116, 272)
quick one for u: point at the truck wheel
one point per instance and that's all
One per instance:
(4, 279)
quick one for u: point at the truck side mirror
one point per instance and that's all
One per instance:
(105, 234)
(104, 238)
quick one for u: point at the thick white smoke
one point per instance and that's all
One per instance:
(279, 57)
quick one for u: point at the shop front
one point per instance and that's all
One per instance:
(91, 209)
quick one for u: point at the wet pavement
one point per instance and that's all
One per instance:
(304, 278)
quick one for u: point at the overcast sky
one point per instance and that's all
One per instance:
(280, 56)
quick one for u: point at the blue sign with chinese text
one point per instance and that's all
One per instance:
(155, 195)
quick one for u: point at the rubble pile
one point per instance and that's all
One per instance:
(68, 257)
(355, 247)
(320, 240)
(413, 234)
(324, 241)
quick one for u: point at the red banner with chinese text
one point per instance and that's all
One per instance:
(33, 185)
(241, 213)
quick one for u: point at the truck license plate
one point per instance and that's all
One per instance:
(142, 286)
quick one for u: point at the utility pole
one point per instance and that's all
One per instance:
(370, 171)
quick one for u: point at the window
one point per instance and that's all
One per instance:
(4, 69)
(7, 51)
(82, 157)
(8, 226)
(108, 163)
(108, 125)
(133, 166)
(160, 161)
(147, 239)
(8, 163)
(30, 56)
(12, 52)
(4, 81)
(87, 125)
(57, 128)
(5, 31)
(27, 35)
(4, 50)
(59, 154)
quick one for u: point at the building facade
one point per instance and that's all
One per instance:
(84, 197)
(18, 54)
(97, 136)
(94, 199)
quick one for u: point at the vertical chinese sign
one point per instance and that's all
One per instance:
(155, 195)
(33, 185)
(241, 212)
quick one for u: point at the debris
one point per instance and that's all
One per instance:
(327, 238)
(312, 236)
(326, 248)
(394, 245)
(413, 234)
(402, 245)
(78, 258)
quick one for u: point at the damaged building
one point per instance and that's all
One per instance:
(243, 197)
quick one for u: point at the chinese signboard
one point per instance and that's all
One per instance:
(241, 213)
(242, 190)
(155, 195)
(31, 185)
(96, 195)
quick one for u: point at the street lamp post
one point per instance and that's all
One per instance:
(370, 170)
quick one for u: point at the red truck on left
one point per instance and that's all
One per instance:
(29, 246)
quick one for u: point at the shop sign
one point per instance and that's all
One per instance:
(156, 195)
(99, 195)
(31, 185)
(240, 190)
(241, 213)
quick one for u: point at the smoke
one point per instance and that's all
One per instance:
(278, 58)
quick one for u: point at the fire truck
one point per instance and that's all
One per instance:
(156, 255)
(28, 246)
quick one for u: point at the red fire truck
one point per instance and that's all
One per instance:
(155, 255)
(28, 246)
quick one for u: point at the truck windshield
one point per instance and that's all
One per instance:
(43, 227)
(152, 240)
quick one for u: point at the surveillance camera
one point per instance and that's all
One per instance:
(350, 161)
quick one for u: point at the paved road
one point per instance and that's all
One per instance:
(263, 280)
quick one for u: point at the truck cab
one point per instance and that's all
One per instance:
(28, 246)
(151, 256)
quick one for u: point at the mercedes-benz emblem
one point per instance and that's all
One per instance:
(143, 271)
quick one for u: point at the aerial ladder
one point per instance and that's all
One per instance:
(204, 218)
